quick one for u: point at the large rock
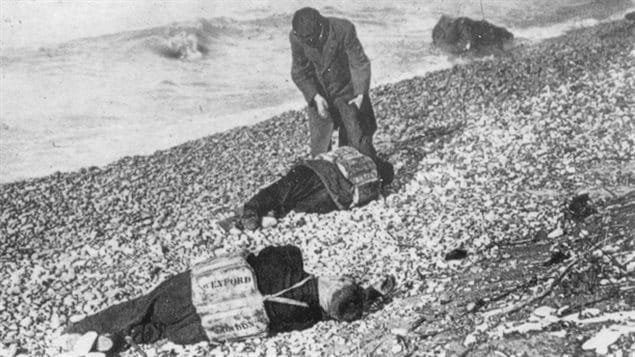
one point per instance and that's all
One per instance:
(463, 35)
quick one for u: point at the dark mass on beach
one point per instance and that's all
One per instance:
(483, 209)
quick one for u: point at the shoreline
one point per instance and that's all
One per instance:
(471, 146)
(66, 148)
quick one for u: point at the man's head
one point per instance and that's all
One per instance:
(342, 299)
(308, 25)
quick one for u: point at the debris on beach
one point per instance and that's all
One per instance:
(463, 35)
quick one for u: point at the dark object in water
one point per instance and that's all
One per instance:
(456, 254)
(463, 35)
(580, 207)
(630, 16)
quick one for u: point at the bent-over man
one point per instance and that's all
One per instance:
(332, 71)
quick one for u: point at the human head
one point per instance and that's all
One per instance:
(249, 220)
(342, 299)
(308, 25)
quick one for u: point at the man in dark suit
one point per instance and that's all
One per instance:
(333, 73)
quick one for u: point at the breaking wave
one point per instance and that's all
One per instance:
(185, 41)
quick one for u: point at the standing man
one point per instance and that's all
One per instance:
(333, 73)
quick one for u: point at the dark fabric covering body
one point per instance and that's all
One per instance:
(167, 311)
(339, 188)
(276, 269)
(315, 186)
(300, 190)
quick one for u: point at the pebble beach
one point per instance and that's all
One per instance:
(485, 154)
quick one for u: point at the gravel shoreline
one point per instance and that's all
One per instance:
(485, 152)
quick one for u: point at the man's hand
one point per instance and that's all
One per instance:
(357, 101)
(322, 106)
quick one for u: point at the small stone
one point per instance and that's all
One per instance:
(605, 282)
(399, 331)
(69, 276)
(26, 322)
(563, 311)
(55, 321)
(469, 340)
(16, 278)
(9, 352)
(603, 339)
(85, 343)
(591, 312)
(556, 233)
(65, 342)
(88, 308)
(396, 348)
(268, 222)
(544, 311)
(559, 334)
(271, 352)
(76, 318)
(444, 298)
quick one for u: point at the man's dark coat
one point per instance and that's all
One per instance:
(340, 69)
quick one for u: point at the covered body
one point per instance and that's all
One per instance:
(336, 180)
(169, 312)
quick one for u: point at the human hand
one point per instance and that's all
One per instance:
(357, 101)
(321, 105)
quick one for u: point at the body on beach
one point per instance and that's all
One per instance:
(484, 155)
(341, 179)
(180, 308)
